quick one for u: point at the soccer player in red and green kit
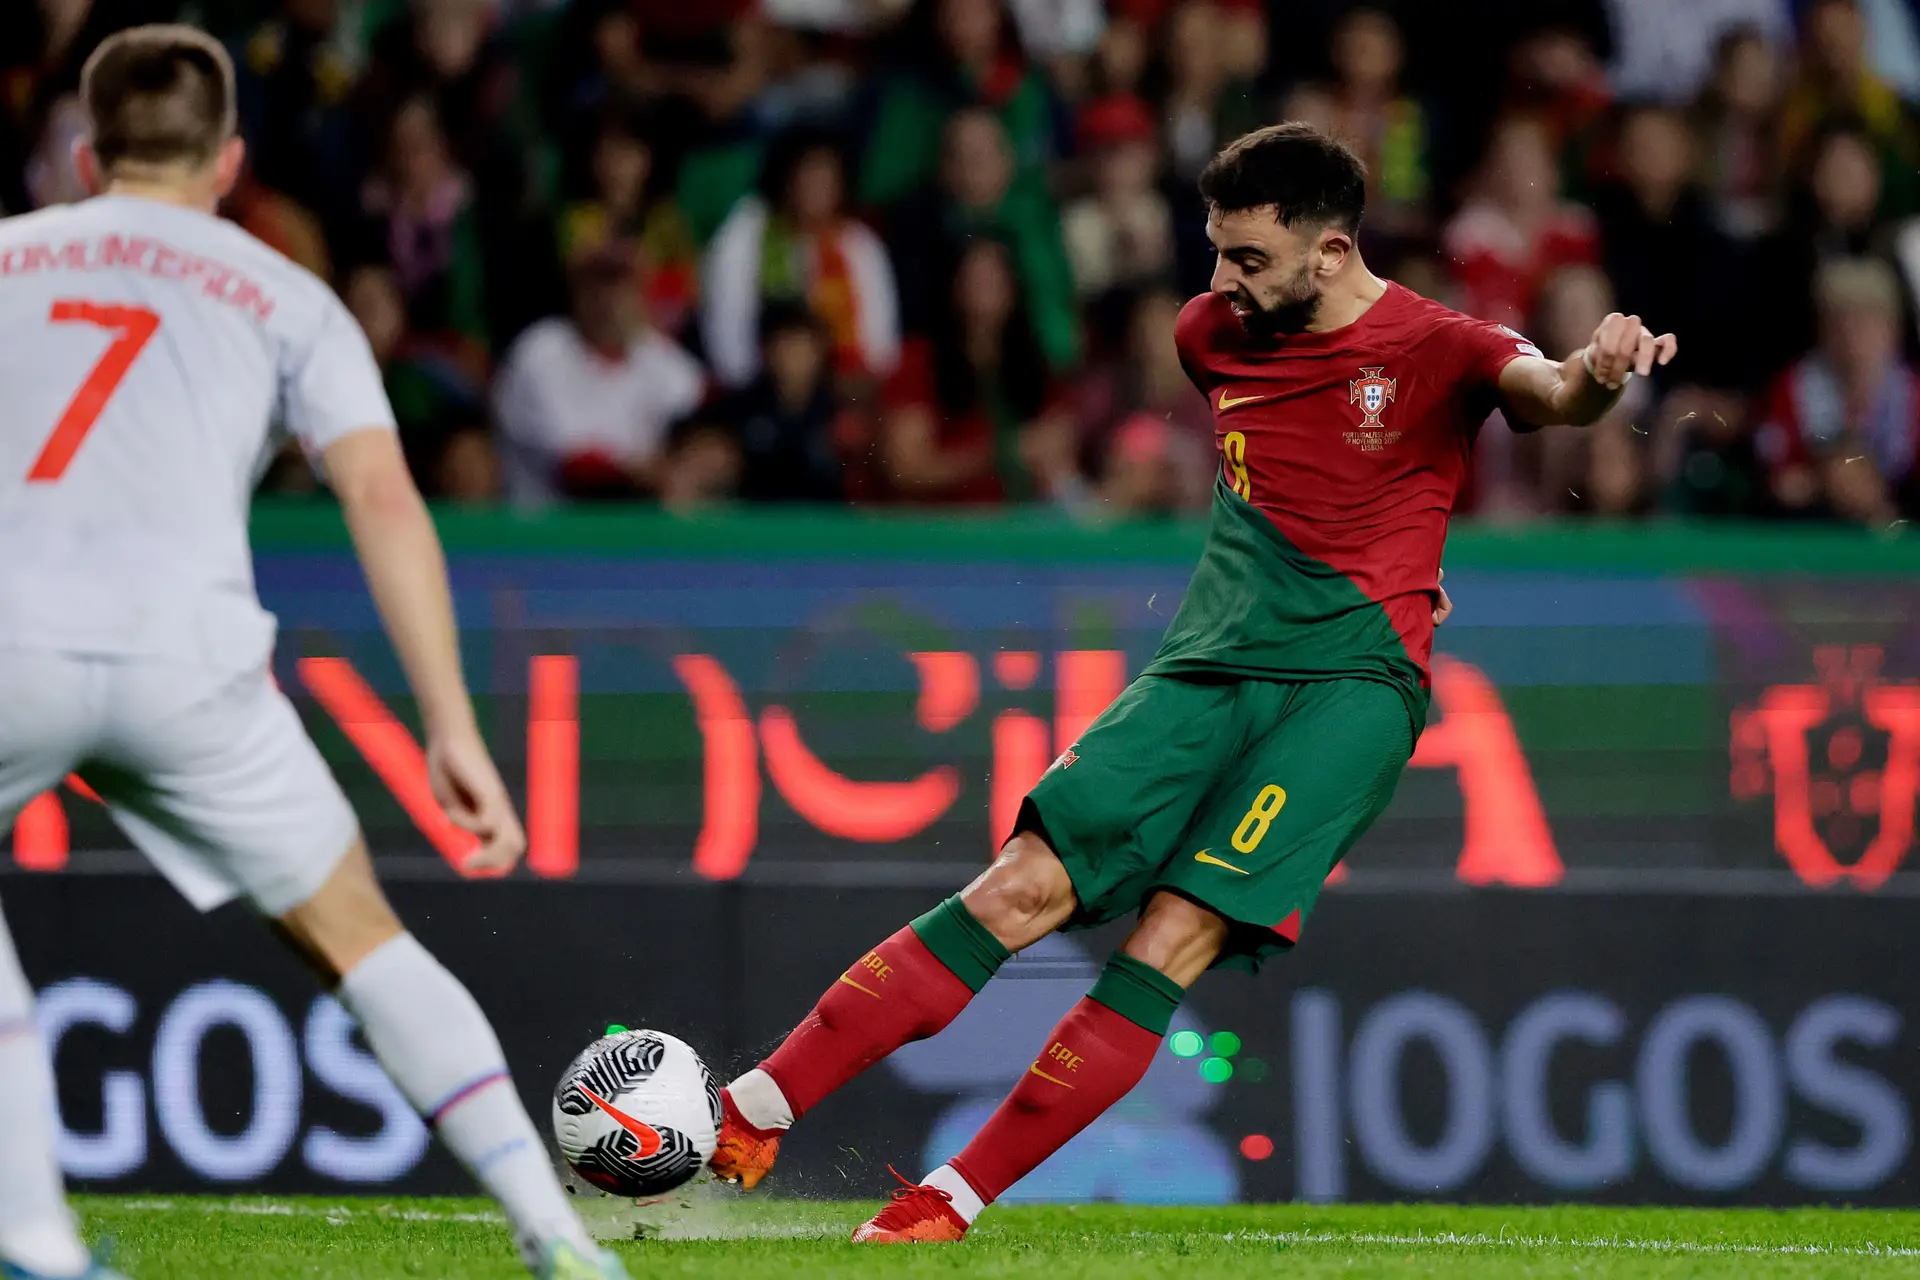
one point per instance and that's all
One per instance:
(1217, 793)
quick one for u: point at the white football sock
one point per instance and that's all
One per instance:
(436, 1044)
(966, 1201)
(37, 1230)
(760, 1102)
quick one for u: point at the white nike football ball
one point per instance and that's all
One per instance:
(637, 1113)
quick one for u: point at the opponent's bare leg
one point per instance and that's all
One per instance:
(433, 1040)
(907, 988)
(1096, 1054)
(37, 1230)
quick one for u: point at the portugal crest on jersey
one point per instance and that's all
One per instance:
(1371, 392)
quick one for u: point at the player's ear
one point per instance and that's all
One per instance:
(86, 163)
(227, 166)
(1335, 247)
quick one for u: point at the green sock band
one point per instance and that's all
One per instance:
(1138, 992)
(959, 941)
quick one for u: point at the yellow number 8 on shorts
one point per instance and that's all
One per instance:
(1253, 828)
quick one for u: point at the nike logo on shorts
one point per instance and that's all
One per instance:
(1210, 860)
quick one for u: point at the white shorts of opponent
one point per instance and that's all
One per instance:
(210, 774)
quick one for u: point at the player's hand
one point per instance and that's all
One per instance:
(468, 787)
(1445, 606)
(1622, 345)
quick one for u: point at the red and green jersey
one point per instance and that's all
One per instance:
(1341, 455)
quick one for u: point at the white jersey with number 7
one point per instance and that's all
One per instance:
(148, 352)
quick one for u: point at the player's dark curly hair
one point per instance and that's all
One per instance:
(1305, 175)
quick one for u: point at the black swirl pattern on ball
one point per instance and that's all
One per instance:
(609, 1164)
(609, 1066)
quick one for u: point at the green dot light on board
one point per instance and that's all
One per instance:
(1216, 1071)
(1186, 1044)
(614, 1029)
(1253, 1070)
(1224, 1044)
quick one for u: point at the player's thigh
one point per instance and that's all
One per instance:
(1290, 808)
(48, 713)
(1114, 805)
(214, 778)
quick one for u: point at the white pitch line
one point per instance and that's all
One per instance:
(1455, 1239)
(337, 1213)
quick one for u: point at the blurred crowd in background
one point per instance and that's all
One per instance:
(931, 251)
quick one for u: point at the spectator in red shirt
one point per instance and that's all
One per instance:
(972, 414)
(1145, 378)
(1516, 231)
(1841, 428)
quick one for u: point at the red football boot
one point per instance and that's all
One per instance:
(742, 1154)
(917, 1215)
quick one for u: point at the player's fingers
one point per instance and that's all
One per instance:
(503, 843)
(1604, 360)
(492, 858)
(1619, 342)
(1605, 367)
(459, 806)
(1643, 357)
(1665, 347)
(454, 800)
(1626, 340)
(459, 803)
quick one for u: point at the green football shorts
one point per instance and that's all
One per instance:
(1239, 794)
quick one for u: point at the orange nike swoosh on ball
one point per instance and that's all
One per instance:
(648, 1135)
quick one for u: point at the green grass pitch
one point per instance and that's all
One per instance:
(719, 1234)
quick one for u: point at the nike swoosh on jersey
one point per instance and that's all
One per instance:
(1228, 402)
(1210, 860)
(648, 1135)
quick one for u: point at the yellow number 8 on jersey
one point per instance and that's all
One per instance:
(1235, 447)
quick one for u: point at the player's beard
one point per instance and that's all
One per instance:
(1292, 309)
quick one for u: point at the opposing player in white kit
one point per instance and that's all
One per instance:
(145, 347)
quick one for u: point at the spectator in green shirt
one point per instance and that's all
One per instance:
(978, 195)
(963, 53)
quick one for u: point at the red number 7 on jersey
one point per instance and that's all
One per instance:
(132, 327)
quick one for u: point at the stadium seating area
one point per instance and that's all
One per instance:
(930, 251)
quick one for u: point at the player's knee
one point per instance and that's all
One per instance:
(1178, 937)
(1025, 895)
(346, 920)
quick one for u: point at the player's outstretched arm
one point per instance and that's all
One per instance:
(407, 574)
(1579, 390)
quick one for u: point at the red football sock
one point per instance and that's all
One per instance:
(1097, 1053)
(896, 993)
(1092, 1059)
